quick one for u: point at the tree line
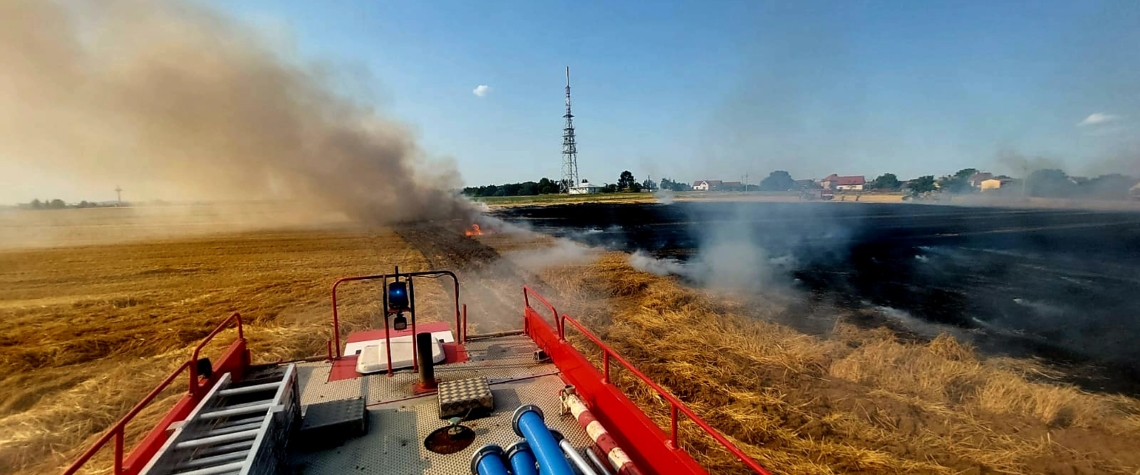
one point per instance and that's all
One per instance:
(1046, 183)
(544, 186)
(626, 183)
(59, 204)
(1056, 184)
(1050, 183)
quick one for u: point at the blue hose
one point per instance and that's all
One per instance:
(521, 459)
(488, 460)
(527, 423)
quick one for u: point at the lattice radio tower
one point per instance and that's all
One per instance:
(569, 147)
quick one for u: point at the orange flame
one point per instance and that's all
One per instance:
(474, 231)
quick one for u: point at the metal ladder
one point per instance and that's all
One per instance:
(237, 428)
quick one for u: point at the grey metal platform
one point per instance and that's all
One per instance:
(399, 422)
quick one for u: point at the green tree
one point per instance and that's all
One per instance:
(667, 184)
(37, 204)
(57, 204)
(649, 185)
(778, 180)
(626, 180)
(958, 182)
(1050, 184)
(966, 173)
(1111, 187)
(886, 181)
(526, 188)
(922, 184)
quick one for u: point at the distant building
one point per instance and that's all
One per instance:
(843, 183)
(995, 183)
(707, 185)
(976, 179)
(731, 186)
(585, 188)
(1134, 192)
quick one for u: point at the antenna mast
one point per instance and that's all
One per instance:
(569, 147)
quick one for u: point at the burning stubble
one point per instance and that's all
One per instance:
(179, 102)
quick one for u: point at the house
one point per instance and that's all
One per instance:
(707, 185)
(585, 188)
(995, 183)
(843, 183)
(1134, 192)
(976, 179)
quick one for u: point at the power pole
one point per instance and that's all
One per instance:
(569, 146)
(119, 196)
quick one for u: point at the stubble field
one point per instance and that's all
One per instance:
(87, 329)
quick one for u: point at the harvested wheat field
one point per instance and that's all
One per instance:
(860, 401)
(88, 329)
(853, 401)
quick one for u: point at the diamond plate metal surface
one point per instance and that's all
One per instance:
(497, 359)
(333, 413)
(394, 442)
(316, 388)
(399, 422)
(465, 396)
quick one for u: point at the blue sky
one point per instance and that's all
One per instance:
(718, 90)
(722, 89)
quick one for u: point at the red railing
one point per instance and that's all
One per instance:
(527, 292)
(675, 404)
(119, 429)
(236, 317)
(235, 356)
(460, 327)
(676, 407)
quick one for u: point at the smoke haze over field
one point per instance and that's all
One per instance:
(175, 101)
(1055, 284)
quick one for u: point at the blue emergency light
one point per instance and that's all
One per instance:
(398, 297)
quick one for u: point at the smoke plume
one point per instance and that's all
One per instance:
(644, 262)
(176, 101)
(746, 249)
(1022, 165)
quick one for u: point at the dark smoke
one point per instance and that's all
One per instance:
(1022, 165)
(176, 101)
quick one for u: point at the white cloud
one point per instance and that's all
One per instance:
(1098, 118)
(482, 90)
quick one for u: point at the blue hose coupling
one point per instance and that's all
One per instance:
(521, 459)
(488, 460)
(527, 423)
(519, 413)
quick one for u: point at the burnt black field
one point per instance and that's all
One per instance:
(1060, 285)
